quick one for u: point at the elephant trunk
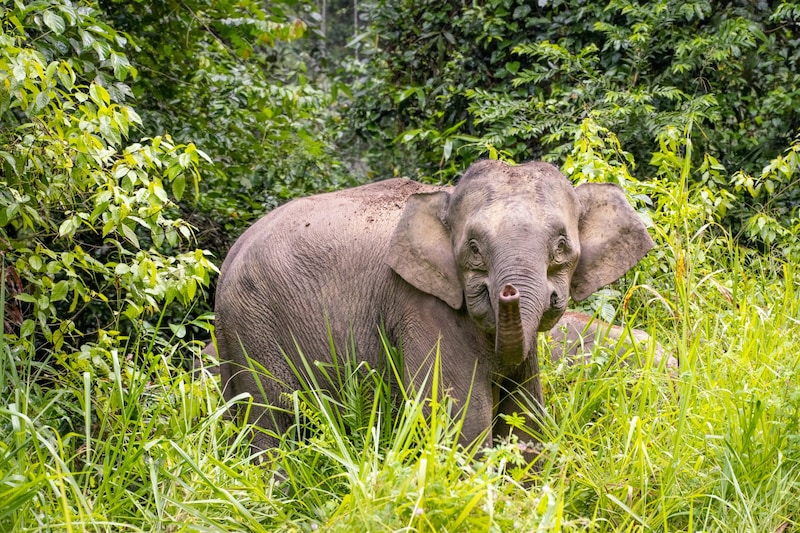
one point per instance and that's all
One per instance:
(515, 341)
(510, 339)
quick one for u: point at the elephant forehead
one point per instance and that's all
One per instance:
(500, 178)
(521, 219)
(551, 193)
(537, 209)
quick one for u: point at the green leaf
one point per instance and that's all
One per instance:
(448, 149)
(40, 102)
(25, 297)
(60, 291)
(51, 70)
(179, 330)
(54, 22)
(120, 170)
(120, 64)
(66, 75)
(129, 234)
(178, 186)
(28, 326)
(172, 236)
(10, 160)
(158, 190)
(99, 94)
(69, 227)
(87, 39)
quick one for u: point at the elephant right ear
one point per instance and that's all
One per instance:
(420, 250)
(613, 238)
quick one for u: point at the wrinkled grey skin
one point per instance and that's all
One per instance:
(575, 335)
(482, 266)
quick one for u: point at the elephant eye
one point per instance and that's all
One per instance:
(560, 250)
(473, 247)
(475, 258)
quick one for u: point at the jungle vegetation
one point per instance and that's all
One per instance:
(139, 138)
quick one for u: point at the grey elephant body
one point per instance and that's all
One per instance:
(576, 334)
(400, 255)
(305, 284)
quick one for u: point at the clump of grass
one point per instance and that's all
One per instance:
(368, 454)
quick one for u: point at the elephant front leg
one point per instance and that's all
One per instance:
(477, 419)
(470, 390)
(520, 393)
(464, 371)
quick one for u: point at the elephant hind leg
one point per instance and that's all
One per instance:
(240, 376)
(267, 420)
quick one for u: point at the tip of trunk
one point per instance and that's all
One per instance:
(510, 345)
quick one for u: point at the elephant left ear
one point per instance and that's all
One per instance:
(420, 250)
(613, 238)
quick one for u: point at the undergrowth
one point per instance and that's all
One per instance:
(712, 446)
(131, 440)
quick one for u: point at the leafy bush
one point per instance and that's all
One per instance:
(517, 80)
(89, 224)
(421, 59)
(775, 219)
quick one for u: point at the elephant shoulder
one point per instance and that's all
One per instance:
(350, 222)
(371, 209)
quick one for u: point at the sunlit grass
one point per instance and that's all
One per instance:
(711, 446)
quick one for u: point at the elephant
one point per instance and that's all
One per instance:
(575, 335)
(478, 268)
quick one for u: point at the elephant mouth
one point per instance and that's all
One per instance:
(550, 318)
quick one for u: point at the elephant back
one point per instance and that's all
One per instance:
(313, 264)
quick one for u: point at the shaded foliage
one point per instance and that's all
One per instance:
(442, 84)
(89, 226)
(523, 76)
(227, 76)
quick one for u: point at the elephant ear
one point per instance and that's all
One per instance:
(613, 238)
(420, 250)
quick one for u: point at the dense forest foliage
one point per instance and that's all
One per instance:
(139, 138)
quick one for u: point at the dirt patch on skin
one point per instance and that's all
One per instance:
(389, 197)
(396, 195)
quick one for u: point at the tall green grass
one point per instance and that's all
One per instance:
(125, 439)
(710, 447)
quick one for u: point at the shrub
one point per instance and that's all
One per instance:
(91, 239)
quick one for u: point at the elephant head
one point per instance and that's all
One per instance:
(511, 244)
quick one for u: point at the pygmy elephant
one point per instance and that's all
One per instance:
(480, 267)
